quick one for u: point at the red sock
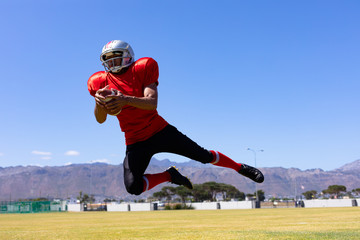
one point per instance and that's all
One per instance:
(152, 180)
(224, 161)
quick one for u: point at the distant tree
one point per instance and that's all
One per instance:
(274, 199)
(250, 195)
(356, 191)
(80, 197)
(213, 188)
(183, 193)
(85, 198)
(236, 194)
(200, 194)
(166, 192)
(335, 190)
(89, 199)
(230, 192)
(261, 195)
(169, 192)
(310, 194)
(159, 195)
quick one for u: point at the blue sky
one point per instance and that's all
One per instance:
(282, 76)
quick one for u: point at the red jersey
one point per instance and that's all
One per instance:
(137, 124)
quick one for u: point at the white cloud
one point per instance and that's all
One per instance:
(100, 161)
(72, 153)
(1, 154)
(46, 158)
(68, 163)
(41, 153)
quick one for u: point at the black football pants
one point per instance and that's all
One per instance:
(138, 155)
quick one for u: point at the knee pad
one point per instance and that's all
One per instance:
(208, 158)
(134, 187)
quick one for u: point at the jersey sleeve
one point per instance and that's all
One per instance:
(96, 82)
(151, 72)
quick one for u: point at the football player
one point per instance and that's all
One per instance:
(146, 133)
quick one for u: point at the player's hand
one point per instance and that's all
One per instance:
(117, 103)
(99, 99)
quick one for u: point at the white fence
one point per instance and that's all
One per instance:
(140, 206)
(237, 205)
(74, 207)
(122, 207)
(330, 203)
(223, 205)
(125, 207)
(205, 205)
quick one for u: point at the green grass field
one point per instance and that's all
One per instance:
(290, 223)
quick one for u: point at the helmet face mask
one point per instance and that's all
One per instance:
(116, 55)
(115, 64)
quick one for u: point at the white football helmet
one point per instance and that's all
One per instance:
(116, 55)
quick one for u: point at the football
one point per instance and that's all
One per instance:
(109, 92)
(106, 93)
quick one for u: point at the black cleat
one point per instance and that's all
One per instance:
(252, 173)
(179, 179)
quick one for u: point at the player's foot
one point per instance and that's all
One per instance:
(179, 179)
(252, 173)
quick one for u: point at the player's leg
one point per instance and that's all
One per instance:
(152, 180)
(222, 160)
(137, 160)
(172, 174)
(135, 164)
(178, 143)
(173, 141)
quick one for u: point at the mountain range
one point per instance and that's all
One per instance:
(106, 181)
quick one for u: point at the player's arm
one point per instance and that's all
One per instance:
(148, 102)
(100, 107)
(100, 113)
